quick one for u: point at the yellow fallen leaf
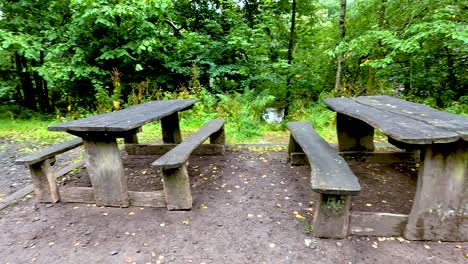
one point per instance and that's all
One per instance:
(368, 204)
(204, 206)
(185, 222)
(298, 216)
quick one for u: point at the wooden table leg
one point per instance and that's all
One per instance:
(354, 134)
(105, 168)
(132, 138)
(171, 129)
(440, 209)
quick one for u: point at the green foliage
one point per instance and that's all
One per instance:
(225, 54)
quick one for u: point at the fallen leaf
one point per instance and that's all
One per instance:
(185, 222)
(298, 216)
(131, 213)
(204, 206)
(427, 247)
(368, 204)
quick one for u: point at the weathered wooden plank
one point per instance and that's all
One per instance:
(76, 194)
(177, 156)
(86, 195)
(397, 126)
(16, 196)
(105, 168)
(440, 208)
(381, 157)
(331, 216)
(330, 172)
(377, 224)
(99, 122)
(62, 171)
(43, 181)
(126, 119)
(298, 158)
(449, 121)
(354, 134)
(147, 199)
(50, 152)
(170, 129)
(402, 145)
(177, 188)
(203, 149)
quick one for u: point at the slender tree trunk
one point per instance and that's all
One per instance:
(45, 88)
(451, 78)
(29, 99)
(376, 54)
(290, 56)
(342, 35)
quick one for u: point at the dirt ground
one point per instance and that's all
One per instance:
(245, 207)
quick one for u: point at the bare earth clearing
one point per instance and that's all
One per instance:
(246, 208)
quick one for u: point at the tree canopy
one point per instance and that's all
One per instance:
(54, 54)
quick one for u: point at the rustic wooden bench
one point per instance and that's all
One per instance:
(42, 173)
(173, 164)
(331, 177)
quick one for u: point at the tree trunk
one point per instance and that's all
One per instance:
(376, 54)
(290, 56)
(45, 88)
(41, 86)
(342, 35)
(28, 98)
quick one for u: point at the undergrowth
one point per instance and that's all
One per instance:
(241, 111)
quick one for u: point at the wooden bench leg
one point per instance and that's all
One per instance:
(331, 217)
(354, 134)
(43, 180)
(296, 155)
(106, 171)
(171, 129)
(177, 188)
(440, 208)
(218, 137)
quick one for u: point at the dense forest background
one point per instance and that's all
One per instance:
(82, 56)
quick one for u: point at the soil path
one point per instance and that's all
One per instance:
(245, 207)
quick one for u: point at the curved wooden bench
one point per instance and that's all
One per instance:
(173, 164)
(331, 177)
(42, 175)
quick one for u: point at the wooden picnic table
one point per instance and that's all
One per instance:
(99, 134)
(440, 208)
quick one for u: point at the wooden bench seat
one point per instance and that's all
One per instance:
(173, 164)
(42, 174)
(330, 176)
